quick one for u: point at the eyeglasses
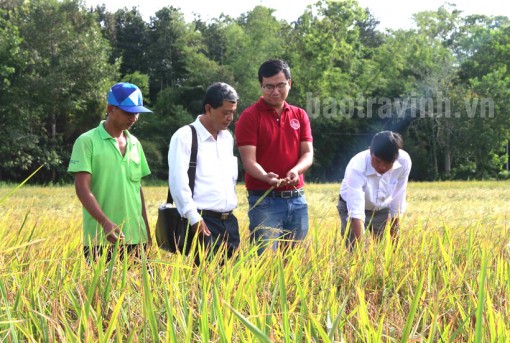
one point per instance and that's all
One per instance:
(280, 86)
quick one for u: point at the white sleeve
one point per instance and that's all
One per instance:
(354, 195)
(178, 163)
(398, 203)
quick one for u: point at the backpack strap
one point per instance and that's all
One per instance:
(192, 170)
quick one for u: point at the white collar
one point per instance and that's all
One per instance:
(371, 170)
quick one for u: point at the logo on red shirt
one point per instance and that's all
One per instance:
(294, 123)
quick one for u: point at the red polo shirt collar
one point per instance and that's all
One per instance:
(263, 105)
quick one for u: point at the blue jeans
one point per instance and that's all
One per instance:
(276, 219)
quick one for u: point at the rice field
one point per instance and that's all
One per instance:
(447, 279)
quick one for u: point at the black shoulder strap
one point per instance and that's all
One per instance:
(192, 170)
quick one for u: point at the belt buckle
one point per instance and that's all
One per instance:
(224, 215)
(286, 194)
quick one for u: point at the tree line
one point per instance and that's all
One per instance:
(444, 85)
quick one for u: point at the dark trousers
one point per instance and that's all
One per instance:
(224, 235)
(375, 221)
(93, 253)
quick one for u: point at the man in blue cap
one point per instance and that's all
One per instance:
(108, 164)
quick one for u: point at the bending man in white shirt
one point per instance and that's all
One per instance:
(373, 190)
(209, 210)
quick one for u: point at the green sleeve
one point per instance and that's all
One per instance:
(81, 157)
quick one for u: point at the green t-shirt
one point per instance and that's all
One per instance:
(115, 182)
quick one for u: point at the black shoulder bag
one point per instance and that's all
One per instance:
(174, 233)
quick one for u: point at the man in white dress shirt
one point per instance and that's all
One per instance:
(373, 190)
(209, 210)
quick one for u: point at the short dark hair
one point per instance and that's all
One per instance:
(217, 93)
(272, 67)
(385, 145)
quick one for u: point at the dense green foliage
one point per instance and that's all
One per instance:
(444, 84)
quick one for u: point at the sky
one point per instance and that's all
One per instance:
(392, 14)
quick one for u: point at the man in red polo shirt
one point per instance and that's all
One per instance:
(275, 144)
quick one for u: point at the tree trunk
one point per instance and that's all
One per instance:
(447, 161)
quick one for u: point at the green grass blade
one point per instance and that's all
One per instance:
(7, 310)
(114, 318)
(219, 318)
(23, 223)
(261, 198)
(92, 287)
(170, 329)
(204, 315)
(481, 298)
(21, 184)
(412, 310)
(283, 301)
(148, 304)
(337, 319)
(261, 336)
(109, 275)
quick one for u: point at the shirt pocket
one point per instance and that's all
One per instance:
(135, 167)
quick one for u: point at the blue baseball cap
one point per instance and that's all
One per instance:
(127, 97)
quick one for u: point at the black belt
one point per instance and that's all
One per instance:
(280, 194)
(215, 215)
